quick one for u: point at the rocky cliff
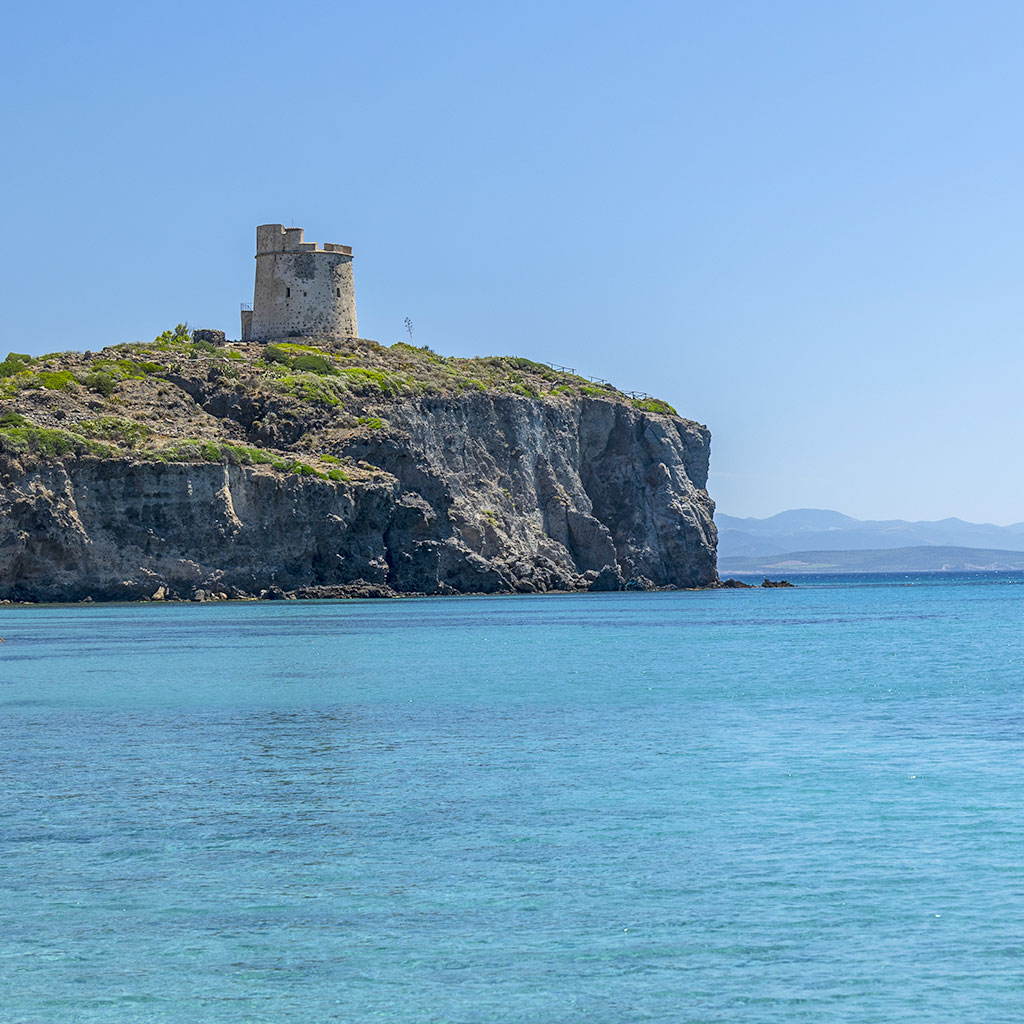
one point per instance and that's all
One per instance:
(184, 470)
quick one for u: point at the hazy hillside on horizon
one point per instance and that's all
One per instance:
(811, 529)
(923, 558)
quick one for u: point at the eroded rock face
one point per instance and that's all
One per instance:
(475, 494)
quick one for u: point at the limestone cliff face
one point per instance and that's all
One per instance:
(470, 493)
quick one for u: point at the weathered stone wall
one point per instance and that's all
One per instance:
(301, 290)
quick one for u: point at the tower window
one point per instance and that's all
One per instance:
(304, 294)
(287, 293)
(337, 292)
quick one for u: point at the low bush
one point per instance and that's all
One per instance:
(307, 362)
(55, 380)
(177, 338)
(654, 405)
(15, 363)
(100, 383)
(113, 428)
(313, 387)
(46, 441)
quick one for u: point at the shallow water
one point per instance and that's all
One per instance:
(764, 806)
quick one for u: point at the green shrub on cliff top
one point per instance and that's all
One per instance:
(113, 428)
(189, 449)
(177, 338)
(654, 405)
(192, 449)
(49, 442)
(313, 388)
(105, 374)
(361, 378)
(100, 383)
(304, 358)
(244, 455)
(56, 380)
(307, 362)
(15, 363)
(27, 378)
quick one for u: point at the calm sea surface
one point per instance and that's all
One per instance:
(755, 806)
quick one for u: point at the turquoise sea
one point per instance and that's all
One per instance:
(756, 806)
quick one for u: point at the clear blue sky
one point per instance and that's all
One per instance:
(799, 222)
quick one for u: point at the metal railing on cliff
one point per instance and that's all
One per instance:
(640, 396)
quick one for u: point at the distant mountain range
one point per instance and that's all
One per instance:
(812, 530)
(923, 558)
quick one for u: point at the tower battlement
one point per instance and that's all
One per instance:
(301, 290)
(273, 238)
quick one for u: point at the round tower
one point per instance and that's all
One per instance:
(302, 290)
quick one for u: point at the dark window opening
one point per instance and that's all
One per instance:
(287, 293)
(338, 291)
(304, 294)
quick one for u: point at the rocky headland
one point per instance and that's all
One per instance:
(193, 469)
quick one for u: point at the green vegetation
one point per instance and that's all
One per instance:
(173, 340)
(28, 378)
(423, 352)
(654, 405)
(25, 437)
(15, 363)
(304, 358)
(195, 449)
(361, 378)
(313, 387)
(100, 383)
(297, 394)
(53, 380)
(122, 432)
(190, 449)
(105, 374)
(242, 455)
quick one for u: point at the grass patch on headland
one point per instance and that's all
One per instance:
(196, 449)
(312, 387)
(655, 405)
(178, 400)
(122, 432)
(24, 438)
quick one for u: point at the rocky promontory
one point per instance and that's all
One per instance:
(189, 469)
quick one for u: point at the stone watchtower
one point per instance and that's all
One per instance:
(302, 291)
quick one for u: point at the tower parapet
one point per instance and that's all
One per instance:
(302, 290)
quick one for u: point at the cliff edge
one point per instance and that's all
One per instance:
(185, 469)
